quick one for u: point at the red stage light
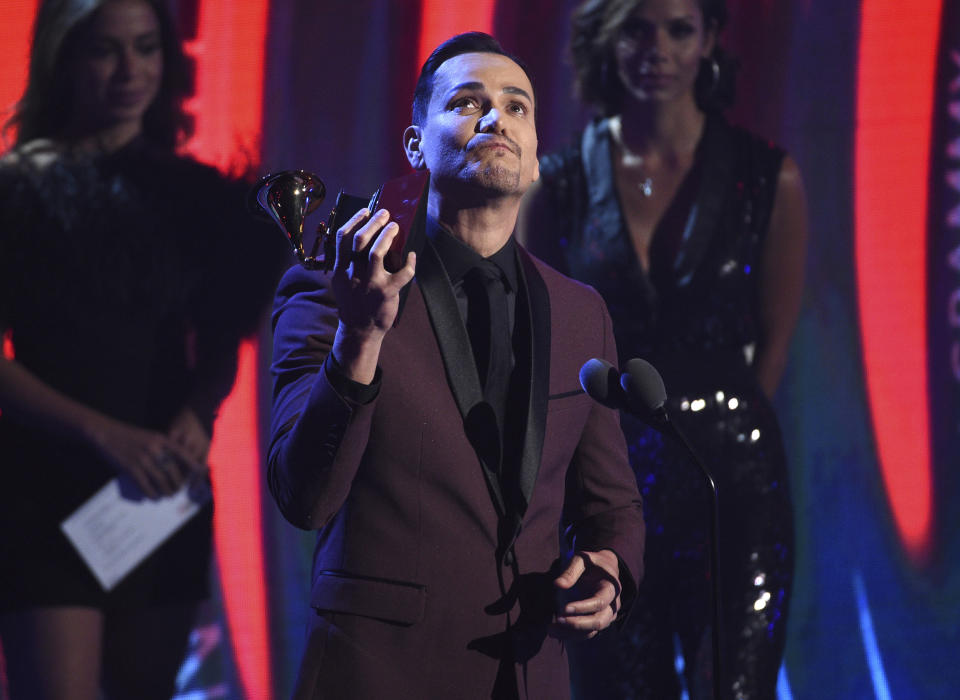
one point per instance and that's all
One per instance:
(229, 53)
(15, 32)
(440, 20)
(894, 109)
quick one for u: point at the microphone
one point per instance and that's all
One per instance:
(601, 381)
(641, 392)
(645, 392)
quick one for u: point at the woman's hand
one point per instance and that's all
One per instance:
(158, 464)
(187, 431)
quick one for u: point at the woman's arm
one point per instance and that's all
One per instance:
(781, 275)
(156, 463)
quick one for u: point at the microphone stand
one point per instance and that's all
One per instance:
(641, 393)
(661, 421)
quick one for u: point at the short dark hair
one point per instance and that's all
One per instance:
(596, 25)
(468, 42)
(45, 110)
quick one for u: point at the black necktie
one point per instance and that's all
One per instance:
(488, 324)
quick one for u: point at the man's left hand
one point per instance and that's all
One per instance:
(591, 585)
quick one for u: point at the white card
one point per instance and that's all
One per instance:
(118, 527)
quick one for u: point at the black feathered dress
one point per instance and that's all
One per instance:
(127, 282)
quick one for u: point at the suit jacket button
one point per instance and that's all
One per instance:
(508, 558)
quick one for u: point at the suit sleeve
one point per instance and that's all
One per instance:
(320, 422)
(603, 505)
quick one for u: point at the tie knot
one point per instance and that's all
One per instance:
(486, 273)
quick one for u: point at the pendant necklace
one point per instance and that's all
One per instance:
(631, 159)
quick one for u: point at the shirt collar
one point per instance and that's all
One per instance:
(458, 258)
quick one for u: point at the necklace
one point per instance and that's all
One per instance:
(632, 160)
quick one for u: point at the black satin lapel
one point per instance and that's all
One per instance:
(538, 311)
(718, 163)
(448, 326)
(479, 420)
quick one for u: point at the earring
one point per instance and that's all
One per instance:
(714, 74)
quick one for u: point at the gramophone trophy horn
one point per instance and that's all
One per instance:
(288, 197)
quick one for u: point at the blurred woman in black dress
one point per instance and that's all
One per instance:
(694, 231)
(128, 276)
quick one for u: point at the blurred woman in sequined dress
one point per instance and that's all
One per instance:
(128, 277)
(694, 231)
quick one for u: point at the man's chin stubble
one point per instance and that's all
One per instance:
(498, 180)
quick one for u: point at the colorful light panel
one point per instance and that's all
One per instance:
(895, 83)
(15, 32)
(229, 53)
(440, 20)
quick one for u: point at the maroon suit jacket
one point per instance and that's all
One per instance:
(427, 583)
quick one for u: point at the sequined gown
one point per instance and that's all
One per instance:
(695, 316)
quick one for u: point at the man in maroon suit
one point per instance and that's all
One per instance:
(438, 457)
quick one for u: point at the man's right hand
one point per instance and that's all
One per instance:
(368, 297)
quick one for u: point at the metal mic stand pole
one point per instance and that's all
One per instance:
(664, 419)
(642, 394)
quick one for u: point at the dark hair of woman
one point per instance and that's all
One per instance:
(45, 110)
(597, 25)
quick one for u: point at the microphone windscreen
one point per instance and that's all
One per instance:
(643, 385)
(599, 379)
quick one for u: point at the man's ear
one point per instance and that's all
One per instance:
(412, 139)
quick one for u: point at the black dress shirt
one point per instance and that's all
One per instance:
(458, 259)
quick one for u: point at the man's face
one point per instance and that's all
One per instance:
(479, 128)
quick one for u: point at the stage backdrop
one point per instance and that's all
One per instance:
(864, 95)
